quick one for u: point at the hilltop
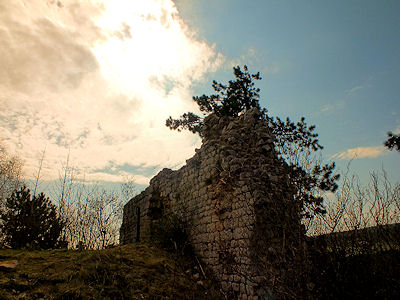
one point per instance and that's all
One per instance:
(135, 271)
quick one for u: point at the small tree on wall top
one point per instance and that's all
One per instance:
(295, 142)
(231, 100)
(30, 221)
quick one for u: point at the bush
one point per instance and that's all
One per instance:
(30, 221)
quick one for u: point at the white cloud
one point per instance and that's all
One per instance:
(98, 79)
(327, 108)
(331, 107)
(361, 152)
(356, 89)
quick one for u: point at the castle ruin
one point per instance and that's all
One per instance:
(235, 197)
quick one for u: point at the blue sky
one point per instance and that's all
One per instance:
(335, 62)
(96, 79)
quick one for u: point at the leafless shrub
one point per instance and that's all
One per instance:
(92, 213)
(10, 174)
(357, 240)
(355, 206)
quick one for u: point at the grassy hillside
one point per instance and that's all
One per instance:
(136, 271)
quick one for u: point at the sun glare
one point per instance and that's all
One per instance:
(143, 41)
(147, 46)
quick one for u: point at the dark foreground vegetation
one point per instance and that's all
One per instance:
(357, 264)
(136, 271)
(343, 266)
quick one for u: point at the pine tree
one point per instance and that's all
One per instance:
(30, 221)
(295, 142)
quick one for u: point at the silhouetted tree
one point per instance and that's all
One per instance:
(232, 100)
(393, 141)
(295, 142)
(30, 221)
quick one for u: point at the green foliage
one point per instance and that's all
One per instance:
(288, 134)
(30, 221)
(231, 100)
(393, 141)
(188, 121)
(295, 142)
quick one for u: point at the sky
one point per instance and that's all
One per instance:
(96, 80)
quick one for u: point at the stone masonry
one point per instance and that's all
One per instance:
(235, 197)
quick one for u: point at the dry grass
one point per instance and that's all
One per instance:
(135, 271)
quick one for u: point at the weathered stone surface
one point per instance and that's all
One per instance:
(235, 196)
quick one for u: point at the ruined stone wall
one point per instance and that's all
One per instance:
(235, 197)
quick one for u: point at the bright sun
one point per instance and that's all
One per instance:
(147, 46)
(144, 36)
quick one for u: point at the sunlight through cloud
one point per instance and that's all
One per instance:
(98, 79)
